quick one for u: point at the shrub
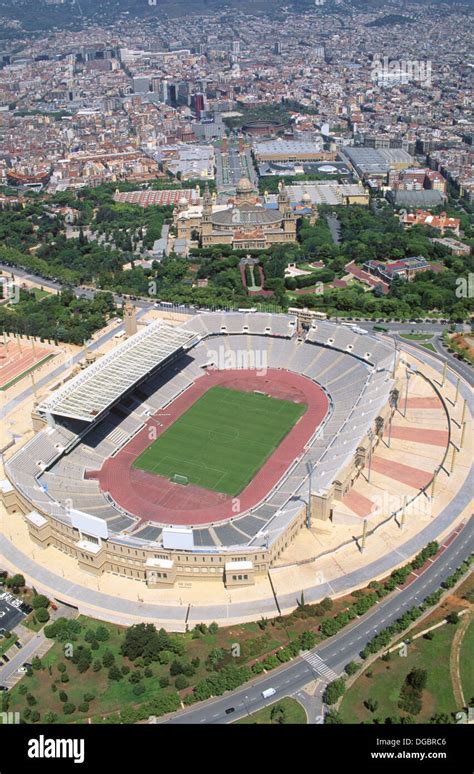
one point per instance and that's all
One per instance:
(39, 601)
(334, 691)
(69, 708)
(108, 658)
(114, 673)
(181, 682)
(83, 707)
(351, 668)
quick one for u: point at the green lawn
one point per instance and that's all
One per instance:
(388, 676)
(294, 714)
(222, 440)
(466, 664)
(417, 336)
(6, 643)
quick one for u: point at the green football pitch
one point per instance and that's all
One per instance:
(222, 440)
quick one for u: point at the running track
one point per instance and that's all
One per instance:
(155, 498)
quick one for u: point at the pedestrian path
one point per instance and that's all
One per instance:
(318, 666)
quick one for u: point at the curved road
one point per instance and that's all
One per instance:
(337, 651)
(329, 658)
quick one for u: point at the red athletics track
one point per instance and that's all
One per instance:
(155, 498)
(15, 360)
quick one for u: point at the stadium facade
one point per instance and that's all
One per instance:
(94, 416)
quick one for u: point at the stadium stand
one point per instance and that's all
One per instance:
(109, 402)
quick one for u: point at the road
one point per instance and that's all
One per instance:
(335, 228)
(464, 369)
(145, 304)
(26, 654)
(337, 651)
(38, 645)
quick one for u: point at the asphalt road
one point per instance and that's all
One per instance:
(24, 655)
(464, 369)
(143, 303)
(337, 651)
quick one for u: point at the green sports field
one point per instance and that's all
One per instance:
(222, 440)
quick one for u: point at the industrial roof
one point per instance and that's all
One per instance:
(100, 385)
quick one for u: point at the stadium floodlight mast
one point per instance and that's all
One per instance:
(408, 374)
(393, 401)
(309, 468)
(371, 436)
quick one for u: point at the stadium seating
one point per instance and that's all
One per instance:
(353, 368)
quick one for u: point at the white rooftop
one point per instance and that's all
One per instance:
(36, 518)
(92, 391)
(242, 565)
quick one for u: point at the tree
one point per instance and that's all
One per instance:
(334, 691)
(42, 615)
(114, 673)
(108, 658)
(452, 618)
(278, 714)
(69, 708)
(181, 682)
(332, 718)
(371, 704)
(417, 679)
(351, 668)
(39, 601)
(102, 634)
(16, 582)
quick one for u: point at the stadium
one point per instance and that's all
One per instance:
(199, 451)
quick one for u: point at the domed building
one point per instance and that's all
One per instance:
(243, 222)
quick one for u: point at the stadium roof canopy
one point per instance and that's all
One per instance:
(100, 385)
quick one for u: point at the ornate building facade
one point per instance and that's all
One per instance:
(243, 222)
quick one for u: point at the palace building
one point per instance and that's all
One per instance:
(244, 222)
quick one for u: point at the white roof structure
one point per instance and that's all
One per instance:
(100, 385)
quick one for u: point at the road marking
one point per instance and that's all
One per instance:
(318, 665)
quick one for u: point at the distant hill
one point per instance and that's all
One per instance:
(41, 15)
(390, 20)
